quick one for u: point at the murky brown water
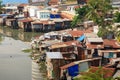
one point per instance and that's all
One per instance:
(15, 64)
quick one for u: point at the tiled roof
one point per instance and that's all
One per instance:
(66, 15)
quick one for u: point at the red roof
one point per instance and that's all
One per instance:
(47, 22)
(66, 15)
(65, 44)
(26, 20)
(111, 42)
(53, 2)
(76, 33)
(106, 42)
(94, 46)
(71, 43)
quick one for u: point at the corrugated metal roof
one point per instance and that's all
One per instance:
(111, 42)
(50, 42)
(117, 74)
(95, 39)
(54, 55)
(58, 46)
(90, 35)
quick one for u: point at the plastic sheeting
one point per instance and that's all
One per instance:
(54, 16)
(73, 70)
(81, 38)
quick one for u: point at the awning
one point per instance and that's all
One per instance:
(81, 38)
(105, 51)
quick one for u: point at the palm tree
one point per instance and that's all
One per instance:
(80, 17)
(96, 11)
(117, 17)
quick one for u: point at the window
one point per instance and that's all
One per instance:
(41, 16)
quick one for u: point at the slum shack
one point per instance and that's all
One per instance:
(44, 45)
(89, 48)
(67, 23)
(67, 49)
(37, 26)
(48, 26)
(58, 24)
(12, 23)
(110, 51)
(53, 62)
(76, 34)
(25, 24)
(21, 8)
(2, 19)
(73, 69)
(88, 24)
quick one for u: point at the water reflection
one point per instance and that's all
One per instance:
(13, 41)
(18, 34)
(14, 64)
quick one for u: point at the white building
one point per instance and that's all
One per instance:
(33, 10)
(11, 9)
(43, 14)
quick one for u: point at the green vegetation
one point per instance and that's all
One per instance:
(27, 50)
(117, 20)
(98, 10)
(117, 17)
(1, 38)
(98, 75)
(95, 11)
(81, 15)
(118, 36)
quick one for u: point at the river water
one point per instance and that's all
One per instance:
(15, 64)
